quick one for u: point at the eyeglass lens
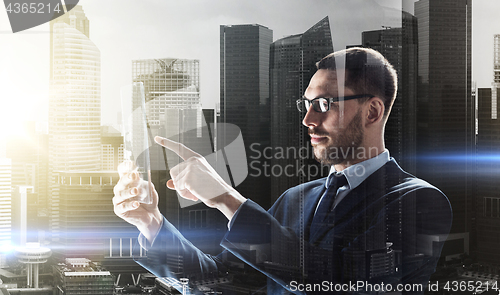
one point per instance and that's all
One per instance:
(319, 105)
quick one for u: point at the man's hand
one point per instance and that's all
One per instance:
(195, 179)
(146, 217)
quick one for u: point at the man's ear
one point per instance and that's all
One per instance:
(376, 110)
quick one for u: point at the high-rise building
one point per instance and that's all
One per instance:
(445, 118)
(169, 83)
(5, 202)
(293, 63)
(488, 200)
(488, 145)
(74, 104)
(399, 46)
(244, 95)
(75, 95)
(496, 75)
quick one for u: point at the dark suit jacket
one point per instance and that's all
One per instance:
(381, 232)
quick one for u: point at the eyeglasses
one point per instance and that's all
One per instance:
(322, 105)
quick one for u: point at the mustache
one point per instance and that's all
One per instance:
(313, 131)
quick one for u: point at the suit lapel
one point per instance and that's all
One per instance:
(356, 201)
(311, 201)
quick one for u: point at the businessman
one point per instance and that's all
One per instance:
(366, 228)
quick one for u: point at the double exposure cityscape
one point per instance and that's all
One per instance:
(59, 233)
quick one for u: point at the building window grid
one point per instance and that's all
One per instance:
(491, 207)
(494, 111)
(496, 51)
(107, 156)
(120, 153)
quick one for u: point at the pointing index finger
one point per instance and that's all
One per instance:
(183, 151)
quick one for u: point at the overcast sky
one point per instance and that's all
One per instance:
(124, 30)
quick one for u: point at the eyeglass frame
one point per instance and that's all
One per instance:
(330, 100)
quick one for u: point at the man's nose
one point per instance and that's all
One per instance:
(312, 118)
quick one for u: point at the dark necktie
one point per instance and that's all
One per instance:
(326, 203)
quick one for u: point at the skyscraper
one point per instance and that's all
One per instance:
(445, 131)
(488, 201)
(292, 65)
(74, 104)
(496, 75)
(5, 202)
(488, 145)
(75, 95)
(244, 95)
(399, 46)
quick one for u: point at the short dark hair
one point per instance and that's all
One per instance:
(367, 72)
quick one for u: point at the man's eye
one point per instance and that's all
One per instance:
(324, 105)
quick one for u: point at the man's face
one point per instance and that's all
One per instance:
(337, 134)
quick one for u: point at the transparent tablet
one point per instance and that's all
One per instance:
(135, 135)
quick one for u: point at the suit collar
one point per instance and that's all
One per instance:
(375, 186)
(357, 173)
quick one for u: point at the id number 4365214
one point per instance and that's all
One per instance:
(475, 287)
(32, 8)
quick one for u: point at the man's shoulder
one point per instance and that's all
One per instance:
(393, 176)
(391, 182)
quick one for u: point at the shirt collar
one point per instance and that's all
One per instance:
(357, 173)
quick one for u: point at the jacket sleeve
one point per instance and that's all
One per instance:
(172, 255)
(256, 228)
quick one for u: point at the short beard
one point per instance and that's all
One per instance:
(344, 148)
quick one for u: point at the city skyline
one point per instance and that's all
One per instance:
(174, 80)
(27, 53)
